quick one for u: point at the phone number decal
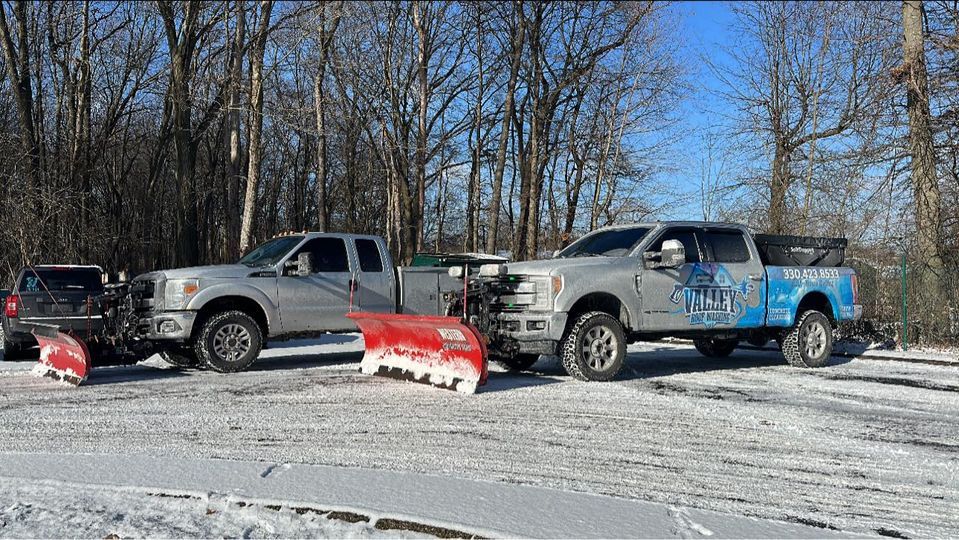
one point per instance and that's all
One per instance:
(810, 273)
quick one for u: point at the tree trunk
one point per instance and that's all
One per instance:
(423, 54)
(256, 124)
(924, 178)
(232, 136)
(778, 189)
(327, 30)
(496, 197)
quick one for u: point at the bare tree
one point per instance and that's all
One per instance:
(258, 50)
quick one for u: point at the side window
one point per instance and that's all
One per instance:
(686, 236)
(728, 246)
(329, 254)
(369, 254)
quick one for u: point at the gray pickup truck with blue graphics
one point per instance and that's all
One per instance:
(713, 283)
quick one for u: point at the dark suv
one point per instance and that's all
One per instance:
(62, 296)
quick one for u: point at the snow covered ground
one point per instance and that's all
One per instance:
(862, 446)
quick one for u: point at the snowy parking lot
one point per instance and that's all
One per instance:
(862, 446)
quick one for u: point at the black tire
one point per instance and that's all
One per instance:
(808, 344)
(215, 348)
(607, 347)
(716, 348)
(520, 362)
(181, 357)
(11, 350)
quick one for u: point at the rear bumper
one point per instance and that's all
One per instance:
(168, 326)
(21, 330)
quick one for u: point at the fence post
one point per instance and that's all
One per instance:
(905, 308)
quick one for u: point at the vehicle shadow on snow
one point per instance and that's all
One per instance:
(136, 373)
(505, 380)
(295, 360)
(664, 361)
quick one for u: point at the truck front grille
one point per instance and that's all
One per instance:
(512, 294)
(143, 294)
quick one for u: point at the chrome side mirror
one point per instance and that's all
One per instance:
(673, 254)
(304, 264)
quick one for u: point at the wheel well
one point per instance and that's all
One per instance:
(605, 302)
(239, 303)
(819, 302)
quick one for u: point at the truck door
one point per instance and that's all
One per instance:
(737, 265)
(375, 284)
(320, 301)
(662, 288)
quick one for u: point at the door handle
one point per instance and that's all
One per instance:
(755, 277)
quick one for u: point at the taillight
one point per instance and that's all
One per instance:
(855, 288)
(12, 306)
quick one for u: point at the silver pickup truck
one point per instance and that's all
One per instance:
(295, 285)
(705, 281)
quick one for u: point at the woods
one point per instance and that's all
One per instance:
(139, 135)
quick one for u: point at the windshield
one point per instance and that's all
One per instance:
(611, 243)
(270, 253)
(60, 279)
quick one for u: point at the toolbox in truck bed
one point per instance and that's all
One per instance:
(783, 250)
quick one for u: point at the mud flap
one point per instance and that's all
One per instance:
(442, 351)
(63, 357)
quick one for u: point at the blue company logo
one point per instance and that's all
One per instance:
(711, 296)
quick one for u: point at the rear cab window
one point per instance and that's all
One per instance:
(60, 279)
(369, 255)
(728, 246)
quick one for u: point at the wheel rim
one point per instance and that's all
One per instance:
(231, 342)
(600, 348)
(814, 339)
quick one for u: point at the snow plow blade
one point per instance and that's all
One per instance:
(63, 357)
(442, 351)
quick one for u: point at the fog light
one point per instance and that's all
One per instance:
(536, 325)
(511, 326)
(168, 327)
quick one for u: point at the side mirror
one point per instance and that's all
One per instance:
(304, 264)
(556, 253)
(673, 254)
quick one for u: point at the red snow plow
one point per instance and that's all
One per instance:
(63, 357)
(442, 351)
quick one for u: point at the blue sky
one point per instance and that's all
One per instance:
(706, 31)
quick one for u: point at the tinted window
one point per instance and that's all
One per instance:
(60, 279)
(686, 237)
(612, 243)
(728, 247)
(369, 254)
(329, 254)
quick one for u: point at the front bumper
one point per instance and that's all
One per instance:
(532, 326)
(167, 325)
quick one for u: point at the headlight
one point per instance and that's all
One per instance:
(547, 287)
(178, 293)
